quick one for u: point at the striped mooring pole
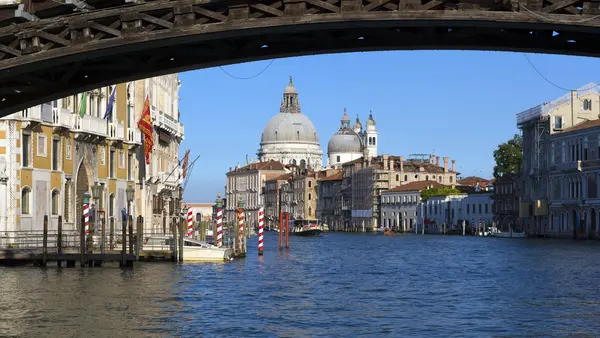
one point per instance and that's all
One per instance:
(219, 221)
(190, 229)
(86, 216)
(261, 219)
(241, 228)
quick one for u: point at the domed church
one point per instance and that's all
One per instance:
(290, 136)
(351, 143)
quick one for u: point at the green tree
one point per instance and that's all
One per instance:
(508, 157)
(441, 191)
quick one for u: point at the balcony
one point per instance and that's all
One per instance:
(91, 125)
(169, 124)
(116, 131)
(134, 136)
(168, 178)
(37, 114)
(62, 117)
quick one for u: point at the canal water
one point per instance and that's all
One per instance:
(342, 285)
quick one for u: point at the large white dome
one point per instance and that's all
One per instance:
(290, 128)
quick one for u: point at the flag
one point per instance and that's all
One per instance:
(111, 101)
(184, 167)
(145, 126)
(82, 104)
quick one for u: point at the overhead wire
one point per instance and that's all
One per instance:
(250, 77)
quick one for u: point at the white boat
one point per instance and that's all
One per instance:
(507, 234)
(193, 250)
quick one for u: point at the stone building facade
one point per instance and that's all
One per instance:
(452, 210)
(399, 205)
(329, 206)
(247, 183)
(53, 153)
(539, 125)
(365, 179)
(505, 206)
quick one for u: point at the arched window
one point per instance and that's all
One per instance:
(298, 135)
(374, 143)
(111, 205)
(55, 201)
(405, 178)
(397, 177)
(426, 177)
(309, 196)
(450, 178)
(309, 211)
(25, 200)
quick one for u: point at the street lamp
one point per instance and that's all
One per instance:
(97, 191)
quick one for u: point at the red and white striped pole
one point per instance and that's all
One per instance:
(86, 217)
(241, 228)
(190, 223)
(219, 221)
(261, 220)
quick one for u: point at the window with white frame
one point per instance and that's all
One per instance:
(25, 201)
(558, 122)
(55, 202)
(42, 150)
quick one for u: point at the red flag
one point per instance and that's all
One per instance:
(145, 126)
(185, 163)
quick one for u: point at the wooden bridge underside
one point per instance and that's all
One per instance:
(50, 50)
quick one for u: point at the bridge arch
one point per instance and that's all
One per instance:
(116, 41)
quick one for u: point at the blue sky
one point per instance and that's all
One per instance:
(458, 104)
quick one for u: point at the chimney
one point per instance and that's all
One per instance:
(437, 161)
(401, 163)
(453, 165)
(230, 169)
(392, 164)
(446, 159)
(386, 161)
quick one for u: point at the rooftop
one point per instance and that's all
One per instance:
(267, 165)
(581, 126)
(543, 109)
(417, 186)
(335, 177)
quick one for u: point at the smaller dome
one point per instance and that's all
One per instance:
(344, 143)
(290, 89)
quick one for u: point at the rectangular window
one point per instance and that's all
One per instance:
(130, 167)
(41, 145)
(111, 164)
(26, 149)
(563, 149)
(486, 208)
(55, 147)
(552, 153)
(558, 122)
(585, 148)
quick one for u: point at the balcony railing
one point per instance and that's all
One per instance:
(134, 135)
(116, 131)
(39, 113)
(91, 124)
(168, 178)
(169, 124)
(62, 117)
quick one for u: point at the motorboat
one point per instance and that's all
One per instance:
(193, 250)
(306, 228)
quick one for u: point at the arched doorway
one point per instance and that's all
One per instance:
(81, 186)
(592, 231)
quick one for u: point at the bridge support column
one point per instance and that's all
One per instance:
(184, 15)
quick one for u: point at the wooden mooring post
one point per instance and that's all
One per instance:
(59, 240)
(138, 244)
(45, 242)
(130, 226)
(182, 227)
(112, 234)
(287, 230)
(82, 242)
(281, 230)
(174, 242)
(123, 240)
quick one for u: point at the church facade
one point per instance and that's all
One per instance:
(349, 144)
(290, 136)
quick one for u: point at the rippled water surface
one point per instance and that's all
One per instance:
(342, 285)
